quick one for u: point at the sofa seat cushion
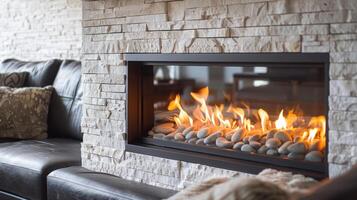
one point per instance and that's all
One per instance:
(24, 165)
(79, 183)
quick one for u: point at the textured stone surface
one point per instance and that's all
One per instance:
(40, 30)
(112, 28)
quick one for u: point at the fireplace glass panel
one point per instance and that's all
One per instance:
(270, 88)
(271, 110)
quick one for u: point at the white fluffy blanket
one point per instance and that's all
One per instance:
(268, 185)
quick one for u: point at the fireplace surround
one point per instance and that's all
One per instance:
(200, 26)
(294, 69)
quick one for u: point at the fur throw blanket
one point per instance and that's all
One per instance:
(268, 185)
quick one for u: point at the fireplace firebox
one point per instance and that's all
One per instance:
(243, 112)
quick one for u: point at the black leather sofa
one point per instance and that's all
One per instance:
(75, 183)
(25, 165)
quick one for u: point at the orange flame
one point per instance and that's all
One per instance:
(202, 97)
(281, 122)
(319, 123)
(183, 117)
(215, 117)
(237, 112)
(264, 117)
(312, 135)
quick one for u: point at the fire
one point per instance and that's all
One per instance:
(281, 122)
(202, 97)
(312, 135)
(264, 117)
(217, 117)
(183, 117)
(317, 127)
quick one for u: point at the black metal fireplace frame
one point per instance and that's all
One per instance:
(228, 159)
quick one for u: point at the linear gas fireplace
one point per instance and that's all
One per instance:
(243, 112)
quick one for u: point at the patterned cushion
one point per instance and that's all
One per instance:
(24, 112)
(13, 79)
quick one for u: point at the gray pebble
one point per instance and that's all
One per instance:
(192, 141)
(228, 136)
(238, 145)
(246, 140)
(200, 141)
(282, 136)
(212, 138)
(263, 140)
(314, 156)
(170, 136)
(202, 133)
(272, 152)
(283, 149)
(271, 133)
(180, 129)
(237, 135)
(151, 133)
(297, 139)
(273, 143)
(187, 130)
(255, 137)
(299, 148)
(255, 144)
(223, 143)
(315, 146)
(263, 149)
(179, 137)
(164, 128)
(159, 136)
(191, 134)
(247, 148)
(296, 156)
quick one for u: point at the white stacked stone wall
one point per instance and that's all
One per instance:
(114, 27)
(40, 29)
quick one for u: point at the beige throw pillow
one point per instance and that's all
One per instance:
(15, 79)
(23, 112)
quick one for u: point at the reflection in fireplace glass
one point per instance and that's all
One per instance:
(268, 110)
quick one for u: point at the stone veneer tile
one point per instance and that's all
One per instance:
(344, 28)
(140, 9)
(202, 26)
(338, 103)
(40, 30)
(147, 18)
(103, 22)
(250, 31)
(343, 71)
(325, 17)
(251, 9)
(342, 120)
(213, 33)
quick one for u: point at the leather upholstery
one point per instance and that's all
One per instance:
(2, 140)
(24, 165)
(40, 73)
(8, 196)
(65, 112)
(74, 183)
